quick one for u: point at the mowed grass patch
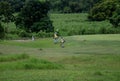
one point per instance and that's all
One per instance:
(38, 43)
(92, 62)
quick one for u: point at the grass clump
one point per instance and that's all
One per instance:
(98, 73)
(9, 58)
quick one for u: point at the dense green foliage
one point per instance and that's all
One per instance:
(6, 12)
(103, 10)
(72, 6)
(34, 17)
(107, 9)
(16, 4)
(62, 6)
(6, 16)
(115, 19)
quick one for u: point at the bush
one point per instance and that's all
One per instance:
(23, 33)
(42, 34)
(45, 24)
(11, 36)
(73, 32)
(15, 31)
(81, 31)
(102, 30)
(90, 31)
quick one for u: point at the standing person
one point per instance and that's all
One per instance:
(56, 36)
(33, 38)
(62, 41)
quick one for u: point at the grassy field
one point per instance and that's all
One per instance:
(84, 58)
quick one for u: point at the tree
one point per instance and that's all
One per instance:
(107, 9)
(115, 19)
(15, 4)
(102, 11)
(34, 17)
(6, 12)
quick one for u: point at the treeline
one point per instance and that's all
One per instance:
(16, 4)
(60, 6)
(72, 6)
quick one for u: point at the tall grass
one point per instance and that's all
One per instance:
(77, 24)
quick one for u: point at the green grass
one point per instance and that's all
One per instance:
(29, 64)
(77, 24)
(29, 43)
(8, 58)
(84, 58)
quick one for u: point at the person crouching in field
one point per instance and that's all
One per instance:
(62, 41)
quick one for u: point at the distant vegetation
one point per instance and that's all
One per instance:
(32, 18)
(78, 24)
(106, 10)
(72, 6)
